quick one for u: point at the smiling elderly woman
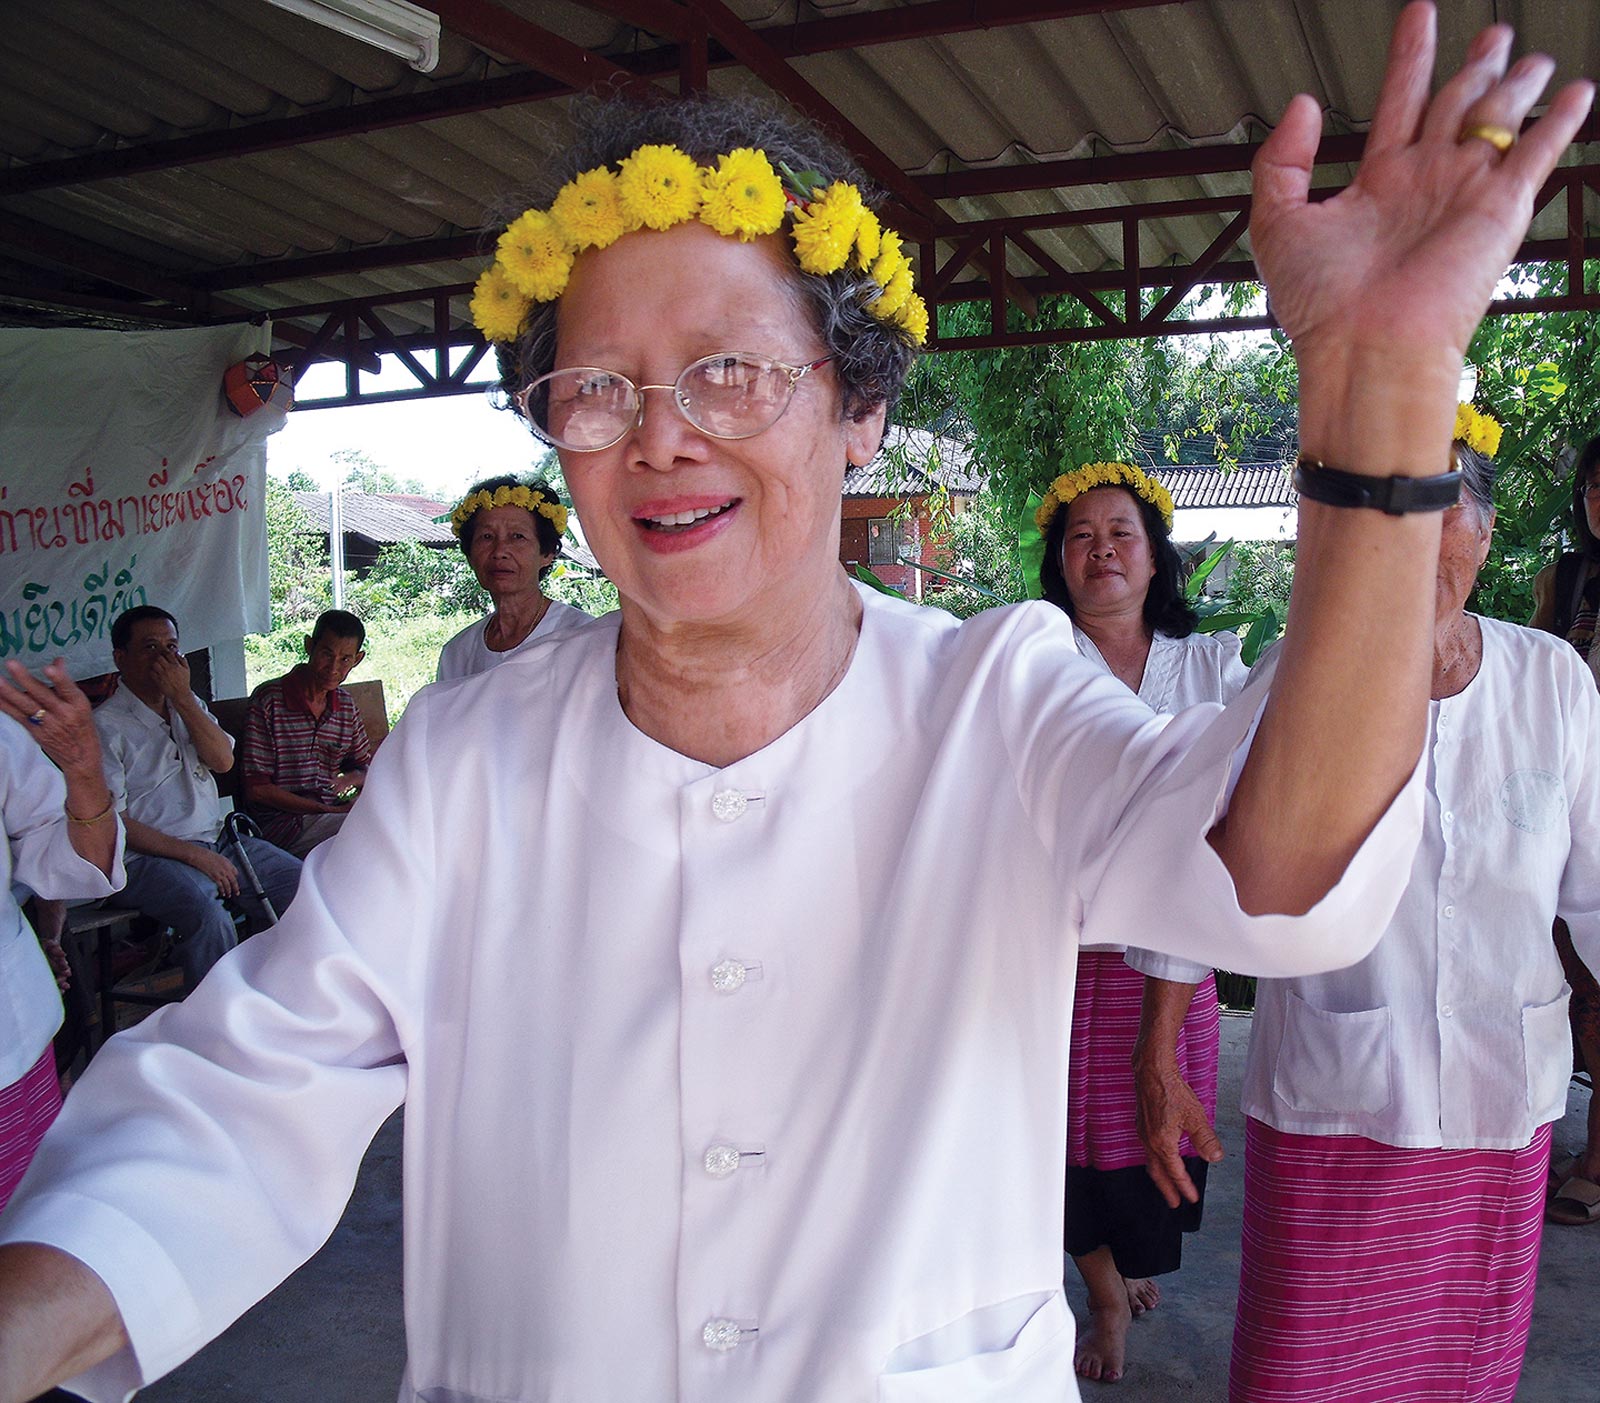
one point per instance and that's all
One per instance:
(763, 1098)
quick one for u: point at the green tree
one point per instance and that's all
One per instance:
(362, 473)
(1540, 376)
(1027, 412)
(297, 566)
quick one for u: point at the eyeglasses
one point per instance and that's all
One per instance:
(732, 394)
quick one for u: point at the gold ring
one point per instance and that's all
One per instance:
(38, 717)
(1501, 138)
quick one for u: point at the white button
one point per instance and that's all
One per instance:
(728, 805)
(721, 1334)
(727, 977)
(721, 1161)
(1449, 817)
(1449, 913)
(1447, 1011)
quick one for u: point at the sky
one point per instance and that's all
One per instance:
(446, 444)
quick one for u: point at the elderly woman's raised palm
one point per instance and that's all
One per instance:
(1407, 258)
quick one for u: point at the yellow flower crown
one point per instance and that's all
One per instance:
(1477, 430)
(529, 498)
(743, 196)
(1075, 484)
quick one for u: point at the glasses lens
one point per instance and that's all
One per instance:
(581, 408)
(733, 395)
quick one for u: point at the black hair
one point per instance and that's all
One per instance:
(341, 623)
(871, 358)
(1165, 608)
(545, 529)
(123, 625)
(1587, 466)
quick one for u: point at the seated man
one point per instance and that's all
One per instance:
(161, 749)
(305, 752)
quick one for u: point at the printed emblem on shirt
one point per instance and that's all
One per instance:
(1533, 800)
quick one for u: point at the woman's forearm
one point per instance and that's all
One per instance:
(92, 819)
(56, 1319)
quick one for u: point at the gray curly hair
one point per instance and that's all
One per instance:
(1477, 478)
(871, 358)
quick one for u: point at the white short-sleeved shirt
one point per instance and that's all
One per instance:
(155, 774)
(1453, 1032)
(38, 852)
(467, 654)
(1180, 672)
(721, 1084)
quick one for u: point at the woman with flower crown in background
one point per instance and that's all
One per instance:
(510, 531)
(761, 1093)
(1398, 1112)
(1110, 564)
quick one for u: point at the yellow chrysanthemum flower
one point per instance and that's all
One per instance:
(1477, 430)
(887, 303)
(498, 307)
(914, 318)
(743, 196)
(535, 256)
(869, 235)
(825, 231)
(891, 258)
(660, 186)
(1091, 475)
(588, 211)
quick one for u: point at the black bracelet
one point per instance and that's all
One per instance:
(1393, 495)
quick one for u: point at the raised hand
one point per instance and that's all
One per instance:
(56, 714)
(1407, 258)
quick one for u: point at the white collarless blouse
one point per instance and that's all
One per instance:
(1453, 1032)
(742, 1084)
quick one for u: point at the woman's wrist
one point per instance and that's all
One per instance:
(1379, 411)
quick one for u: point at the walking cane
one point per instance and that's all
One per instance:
(235, 828)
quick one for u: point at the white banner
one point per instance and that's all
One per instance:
(125, 479)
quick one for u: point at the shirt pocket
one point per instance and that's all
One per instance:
(1018, 1350)
(1547, 1053)
(1333, 1062)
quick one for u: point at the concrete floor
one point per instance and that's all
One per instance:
(332, 1333)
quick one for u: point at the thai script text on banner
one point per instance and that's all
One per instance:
(125, 479)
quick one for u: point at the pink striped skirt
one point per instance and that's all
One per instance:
(1372, 1274)
(1101, 1133)
(27, 1107)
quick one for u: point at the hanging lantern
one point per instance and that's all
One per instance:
(255, 381)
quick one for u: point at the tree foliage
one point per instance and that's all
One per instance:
(1540, 376)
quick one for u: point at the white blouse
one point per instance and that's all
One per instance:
(742, 1084)
(38, 852)
(467, 654)
(1453, 1032)
(1180, 672)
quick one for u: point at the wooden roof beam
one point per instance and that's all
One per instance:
(746, 45)
(461, 99)
(501, 32)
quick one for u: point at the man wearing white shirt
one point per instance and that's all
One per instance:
(162, 749)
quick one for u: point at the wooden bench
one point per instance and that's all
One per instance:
(96, 932)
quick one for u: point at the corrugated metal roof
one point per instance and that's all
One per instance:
(121, 81)
(915, 463)
(378, 518)
(1248, 485)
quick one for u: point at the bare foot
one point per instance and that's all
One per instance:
(1102, 1352)
(1143, 1294)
